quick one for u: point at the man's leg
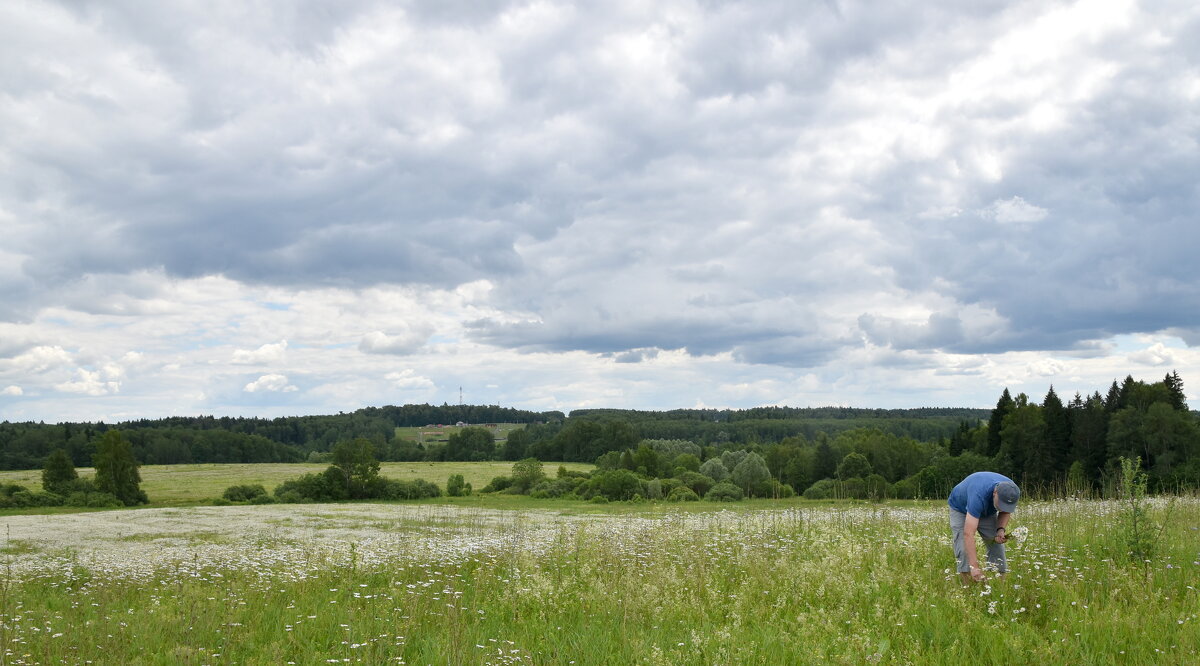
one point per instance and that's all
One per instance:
(995, 551)
(960, 548)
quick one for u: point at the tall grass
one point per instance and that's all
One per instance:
(446, 585)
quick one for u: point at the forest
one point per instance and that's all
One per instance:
(1050, 446)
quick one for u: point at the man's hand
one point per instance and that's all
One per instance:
(977, 575)
(1001, 537)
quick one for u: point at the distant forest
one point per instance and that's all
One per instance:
(209, 439)
(1051, 444)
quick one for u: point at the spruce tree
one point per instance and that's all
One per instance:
(117, 470)
(58, 472)
(1004, 406)
(1175, 388)
(1058, 436)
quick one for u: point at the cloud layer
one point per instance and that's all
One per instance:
(210, 207)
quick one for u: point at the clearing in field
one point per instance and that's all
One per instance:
(441, 584)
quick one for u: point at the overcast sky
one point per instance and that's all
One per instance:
(279, 208)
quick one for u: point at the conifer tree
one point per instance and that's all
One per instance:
(1058, 436)
(117, 470)
(58, 472)
(1004, 406)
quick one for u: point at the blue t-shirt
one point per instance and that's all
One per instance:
(973, 495)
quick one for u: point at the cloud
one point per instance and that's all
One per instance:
(408, 380)
(1156, 355)
(406, 341)
(1016, 211)
(264, 355)
(89, 382)
(272, 383)
(744, 193)
(12, 391)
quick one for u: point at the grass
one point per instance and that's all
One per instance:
(176, 485)
(650, 584)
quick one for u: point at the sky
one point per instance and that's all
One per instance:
(280, 208)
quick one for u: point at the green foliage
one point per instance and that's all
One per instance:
(471, 444)
(819, 490)
(616, 485)
(58, 472)
(117, 470)
(526, 474)
(497, 484)
(687, 461)
(1138, 531)
(456, 486)
(750, 472)
(244, 493)
(682, 494)
(854, 465)
(698, 482)
(724, 492)
(714, 469)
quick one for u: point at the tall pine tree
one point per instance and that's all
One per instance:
(1058, 435)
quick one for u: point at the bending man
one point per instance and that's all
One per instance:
(983, 502)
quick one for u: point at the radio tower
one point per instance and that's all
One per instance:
(460, 396)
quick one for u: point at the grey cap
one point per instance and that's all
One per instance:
(1007, 494)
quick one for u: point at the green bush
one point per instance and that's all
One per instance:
(683, 494)
(95, 500)
(823, 489)
(244, 493)
(699, 483)
(497, 484)
(724, 492)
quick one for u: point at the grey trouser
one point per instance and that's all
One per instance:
(987, 529)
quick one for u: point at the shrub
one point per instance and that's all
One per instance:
(724, 492)
(456, 486)
(683, 494)
(654, 490)
(497, 484)
(616, 484)
(714, 469)
(244, 493)
(699, 483)
(96, 500)
(599, 499)
(262, 499)
(822, 489)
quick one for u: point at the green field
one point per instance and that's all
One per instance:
(169, 485)
(434, 583)
(442, 432)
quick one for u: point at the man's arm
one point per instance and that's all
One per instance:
(1002, 519)
(970, 527)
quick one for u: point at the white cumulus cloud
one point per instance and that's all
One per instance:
(268, 353)
(12, 390)
(272, 383)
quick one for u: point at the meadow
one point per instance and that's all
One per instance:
(175, 485)
(438, 583)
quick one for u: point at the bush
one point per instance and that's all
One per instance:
(823, 489)
(654, 490)
(262, 499)
(28, 498)
(497, 484)
(614, 484)
(95, 500)
(714, 469)
(456, 486)
(724, 492)
(699, 483)
(244, 493)
(599, 499)
(683, 494)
